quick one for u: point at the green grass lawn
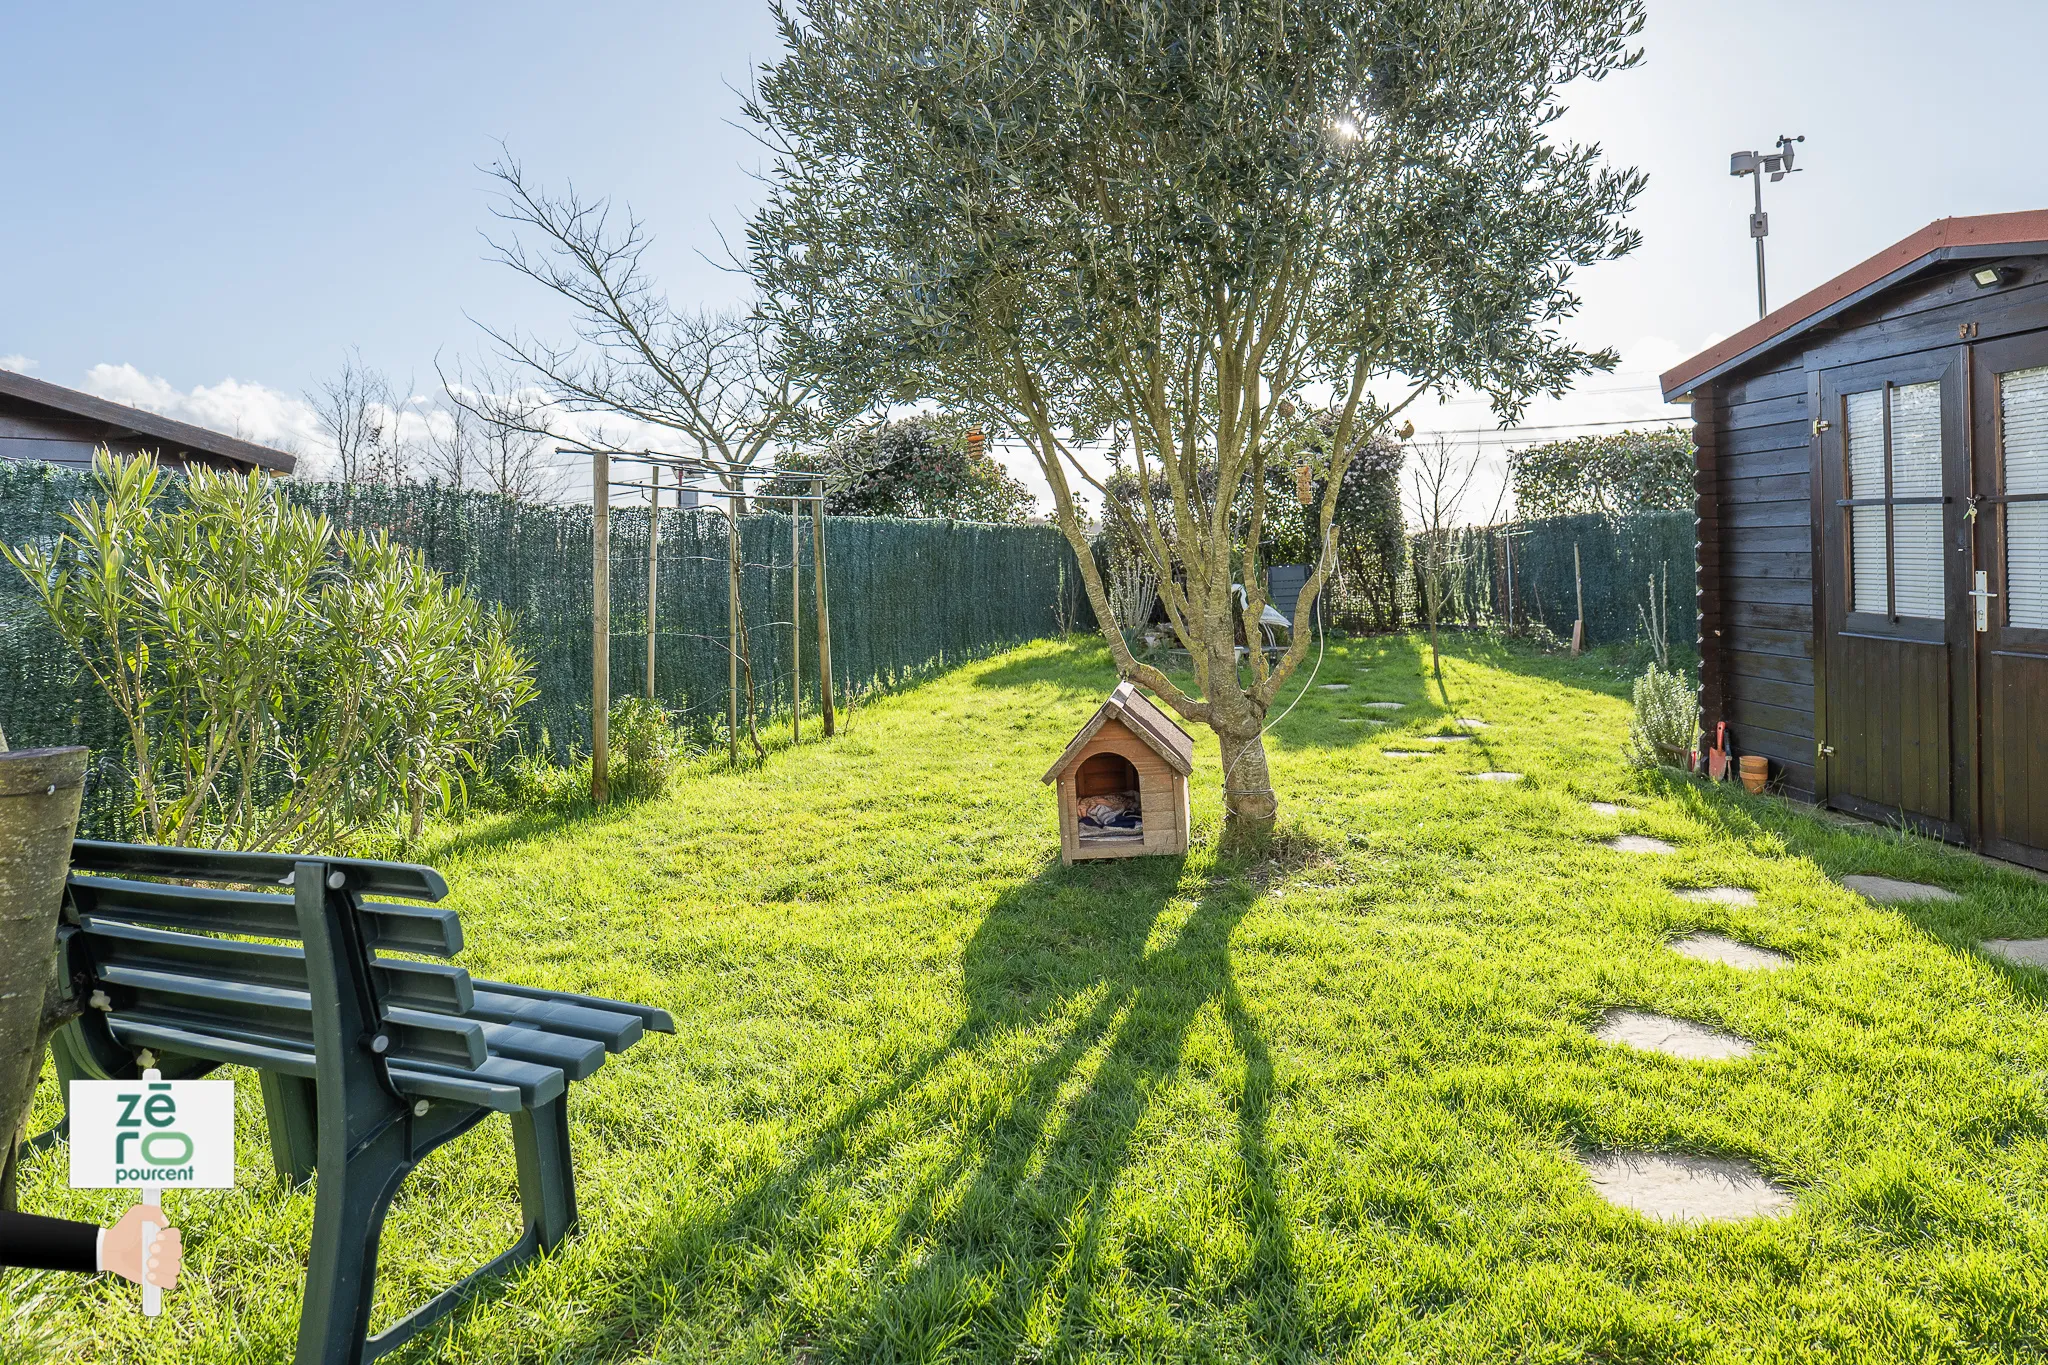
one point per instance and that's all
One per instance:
(934, 1096)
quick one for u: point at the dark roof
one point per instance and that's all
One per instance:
(1940, 242)
(181, 435)
(1138, 715)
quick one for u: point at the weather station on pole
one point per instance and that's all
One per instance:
(1757, 165)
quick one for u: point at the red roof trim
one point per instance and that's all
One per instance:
(1937, 239)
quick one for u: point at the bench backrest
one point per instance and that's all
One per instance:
(174, 959)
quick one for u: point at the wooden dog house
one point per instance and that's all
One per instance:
(1129, 754)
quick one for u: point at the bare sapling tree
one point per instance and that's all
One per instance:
(362, 416)
(1183, 229)
(1440, 475)
(716, 379)
(492, 435)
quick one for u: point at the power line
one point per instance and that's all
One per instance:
(1509, 433)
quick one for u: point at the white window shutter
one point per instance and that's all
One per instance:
(1867, 559)
(1916, 473)
(2023, 424)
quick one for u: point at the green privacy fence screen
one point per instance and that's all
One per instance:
(1617, 561)
(907, 597)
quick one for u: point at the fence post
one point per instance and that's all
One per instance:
(796, 625)
(732, 630)
(824, 611)
(1579, 586)
(600, 624)
(653, 547)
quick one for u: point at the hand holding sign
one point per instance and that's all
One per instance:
(122, 1251)
(145, 1135)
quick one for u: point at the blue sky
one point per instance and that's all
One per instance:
(206, 206)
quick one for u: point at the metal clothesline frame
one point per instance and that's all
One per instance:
(601, 594)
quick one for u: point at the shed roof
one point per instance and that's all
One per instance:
(1940, 242)
(182, 435)
(1138, 715)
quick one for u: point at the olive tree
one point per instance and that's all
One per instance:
(1181, 227)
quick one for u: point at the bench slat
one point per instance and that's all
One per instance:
(502, 1085)
(615, 1029)
(536, 1083)
(135, 1032)
(435, 986)
(362, 875)
(394, 928)
(275, 1014)
(654, 1020)
(577, 1057)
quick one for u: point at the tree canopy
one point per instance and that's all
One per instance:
(922, 466)
(1173, 225)
(1614, 475)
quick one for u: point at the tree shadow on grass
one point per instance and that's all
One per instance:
(1081, 988)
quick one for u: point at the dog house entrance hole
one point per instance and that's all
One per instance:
(1106, 787)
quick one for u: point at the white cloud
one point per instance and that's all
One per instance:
(254, 412)
(17, 362)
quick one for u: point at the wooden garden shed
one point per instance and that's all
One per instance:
(1872, 485)
(1130, 762)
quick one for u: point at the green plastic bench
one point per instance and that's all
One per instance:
(368, 1061)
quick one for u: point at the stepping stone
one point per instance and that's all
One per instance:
(1409, 753)
(1386, 705)
(1729, 953)
(1718, 895)
(1475, 724)
(1444, 739)
(1637, 843)
(1495, 777)
(1349, 720)
(1672, 1037)
(1335, 687)
(1683, 1189)
(1890, 891)
(1603, 808)
(2024, 952)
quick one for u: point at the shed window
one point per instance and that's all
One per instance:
(2023, 430)
(1893, 440)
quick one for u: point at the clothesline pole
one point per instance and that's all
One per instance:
(796, 626)
(600, 625)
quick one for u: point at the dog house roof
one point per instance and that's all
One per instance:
(1141, 718)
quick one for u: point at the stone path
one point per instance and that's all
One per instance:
(1890, 891)
(1683, 1189)
(1717, 895)
(1495, 777)
(1386, 705)
(2024, 952)
(1637, 843)
(1729, 953)
(1603, 808)
(1335, 687)
(1445, 739)
(1672, 1037)
(1472, 721)
(1409, 753)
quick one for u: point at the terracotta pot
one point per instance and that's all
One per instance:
(1756, 771)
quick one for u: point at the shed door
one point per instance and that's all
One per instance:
(1890, 457)
(2010, 401)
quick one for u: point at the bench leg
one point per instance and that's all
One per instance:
(292, 1110)
(547, 1174)
(349, 1205)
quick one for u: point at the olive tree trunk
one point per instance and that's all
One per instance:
(39, 796)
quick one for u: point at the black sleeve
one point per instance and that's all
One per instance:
(37, 1243)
